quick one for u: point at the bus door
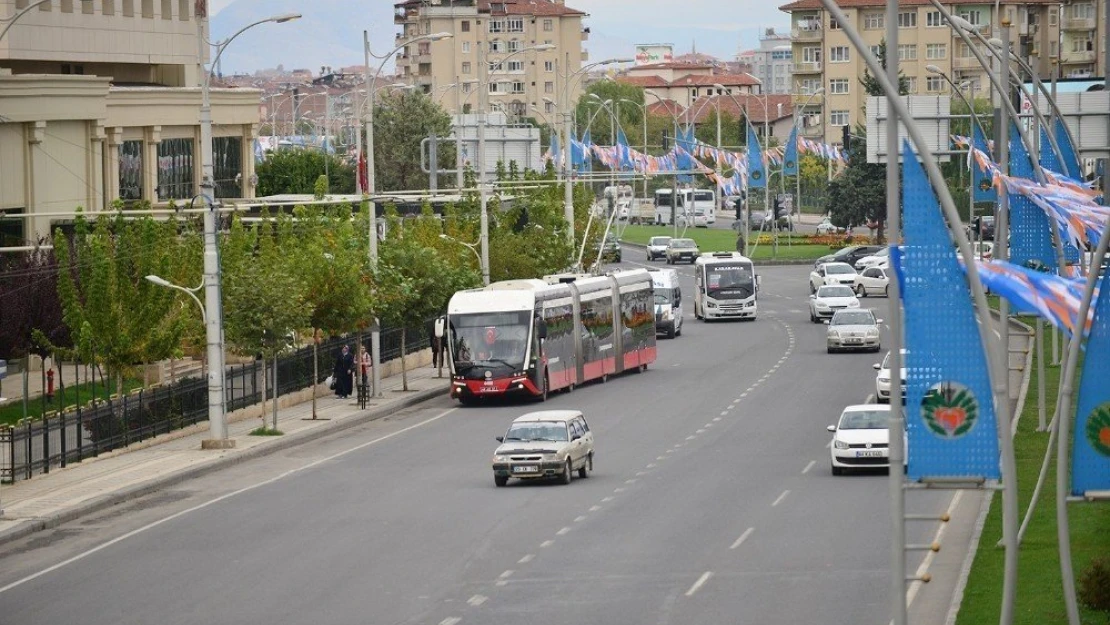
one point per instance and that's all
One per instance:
(618, 325)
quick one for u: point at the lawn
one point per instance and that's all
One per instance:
(80, 394)
(1039, 597)
(719, 240)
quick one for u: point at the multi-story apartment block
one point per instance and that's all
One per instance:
(1047, 34)
(497, 31)
(773, 62)
(684, 83)
(100, 101)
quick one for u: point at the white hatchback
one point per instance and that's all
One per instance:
(882, 378)
(861, 438)
(830, 274)
(828, 299)
(548, 443)
(873, 281)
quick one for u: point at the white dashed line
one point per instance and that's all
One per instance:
(691, 437)
(781, 497)
(563, 532)
(606, 499)
(809, 466)
(708, 425)
(700, 431)
(526, 559)
(618, 490)
(716, 418)
(870, 399)
(660, 457)
(651, 465)
(698, 584)
(744, 394)
(477, 600)
(630, 480)
(595, 508)
(451, 620)
(547, 543)
(579, 518)
(743, 537)
(724, 413)
(506, 574)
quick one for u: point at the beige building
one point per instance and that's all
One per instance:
(686, 83)
(1042, 32)
(99, 101)
(495, 30)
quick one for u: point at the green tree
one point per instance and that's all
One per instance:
(871, 84)
(629, 117)
(296, 170)
(401, 121)
(706, 131)
(858, 195)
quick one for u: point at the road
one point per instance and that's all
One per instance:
(712, 502)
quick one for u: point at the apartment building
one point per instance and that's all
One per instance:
(1051, 36)
(99, 101)
(772, 62)
(685, 83)
(450, 70)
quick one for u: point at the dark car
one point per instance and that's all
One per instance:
(757, 220)
(849, 254)
(983, 227)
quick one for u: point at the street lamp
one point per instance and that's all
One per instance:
(643, 114)
(214, 321)
(190, 292)
(9, 21)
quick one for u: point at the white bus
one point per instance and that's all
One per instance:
(705, 208)
(663, 206)
(725, 286)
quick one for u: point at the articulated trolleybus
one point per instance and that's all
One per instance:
(725, 286)
(530, 337)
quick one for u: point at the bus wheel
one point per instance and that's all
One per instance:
(546, 385)
(467, 401)
(643, 368)
(604, 378)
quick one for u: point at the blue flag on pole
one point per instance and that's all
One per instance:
(757, 177)
(790, 156)
(1071, 161)
(950, 424)
(1090, 464)
(1030, 230)
(983, 185)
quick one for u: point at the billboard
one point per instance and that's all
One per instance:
(649, 53)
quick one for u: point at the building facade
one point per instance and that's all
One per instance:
(1050, 36)
(99, 102)
(496, 31)
(685, 83)
(773, 62)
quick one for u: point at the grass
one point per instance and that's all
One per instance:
(718, 240)
(265, 431)
(74, 395)
(1040, 600)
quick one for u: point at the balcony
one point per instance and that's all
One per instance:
(817, 130)
(1078, 23)
(965, 63)
(400, 16)
(807, 68)
(1072, 58)
(807, 34)
(813, 100)
(585, 35)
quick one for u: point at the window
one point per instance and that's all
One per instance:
(549, 107)
(148, 9)
(839, 54)
(1054, 48)
(495, 87)
(936, 51)
(808, 85)
(167, 9)
(497, 46)
(1053, 16)
(67, 6)
(934, 84)
(497, 66)
(549, 66)
(875, 50)
(838, 86)
(833, 24)
(873, 21)
(839, 118)
(465, 26)
(183, 10)
(973, 16)
(907, 19)
(518, 86)
(933, 19)
(549, 87)
(108, 7)
(811, 55)
(514, 45)
(548, 25)
(466, 47)
(515, 25)
(497, 26)
(911, 84)
(128, 9)
(516, 66)
(466, 67)
(466, 87)
(228, 159)
(1082, 10)
(964, 51)
(175, 169)
(907, 52)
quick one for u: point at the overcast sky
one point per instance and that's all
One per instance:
(717, 27)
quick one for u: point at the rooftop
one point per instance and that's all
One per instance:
(731, 106)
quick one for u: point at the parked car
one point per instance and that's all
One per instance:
(548, 443)
(861, 438)
(657, 247)
(853, 329)
(849, 254)
(832, 273)
(682, 250)
(826, 227)
(873, 280)
(828, 299)
(878, 259)
(983, 227)
(882, 378)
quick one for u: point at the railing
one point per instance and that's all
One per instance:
(807, 68)
(1078, 23)
(965, 63)
(807, 34)
(36, 446)
(1084, 56)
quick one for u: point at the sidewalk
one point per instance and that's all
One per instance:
(49, 500)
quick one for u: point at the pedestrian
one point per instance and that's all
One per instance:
(364, 364)
(344, 369)
(740, 243)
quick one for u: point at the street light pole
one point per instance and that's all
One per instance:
(214, 306)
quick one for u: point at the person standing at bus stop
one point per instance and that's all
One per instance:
(364, 366)
(344, 369)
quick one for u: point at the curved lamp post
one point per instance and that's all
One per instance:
(797, 126)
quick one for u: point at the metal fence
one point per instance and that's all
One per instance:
(37, 446)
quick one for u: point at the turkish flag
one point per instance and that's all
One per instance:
(201, 9)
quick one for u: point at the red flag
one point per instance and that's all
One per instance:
(363, 179)
(201, 8)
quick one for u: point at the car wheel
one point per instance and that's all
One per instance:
(880, 400)
(500, 480)
(837, 470)
(678, 332)
(546, 385)
(861, 291)
(587, 466)
(565, 477)
(671, 333)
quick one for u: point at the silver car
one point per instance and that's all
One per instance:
(549, 443)
(854, 329)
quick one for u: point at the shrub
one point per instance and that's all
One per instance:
(1094, 585)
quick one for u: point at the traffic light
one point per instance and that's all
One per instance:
(847, 139)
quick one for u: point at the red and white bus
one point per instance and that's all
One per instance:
(531, 337)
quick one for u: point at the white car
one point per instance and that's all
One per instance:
(852, 329)
(548, 443)
(878, 259)
(657, 247)
(882, 378)
(831, 274)
(873, 281)
(861, 438)
(826, 227)
(828, 299)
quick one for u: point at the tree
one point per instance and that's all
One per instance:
(706, 131)
(858, 195)
(296, 170)
(630, 118)
(401, 121)
(29, 302)
(871, 85)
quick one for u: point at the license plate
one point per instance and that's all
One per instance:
(853, 341)
(869, 453)
(526, 469)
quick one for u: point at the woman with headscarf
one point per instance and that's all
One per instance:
(344, 369)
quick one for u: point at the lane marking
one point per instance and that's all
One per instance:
(698, 584)
(618, 490)
(224, 497)
(744, 394)
(911, 594)
(606, 499)
(477, 600)
(547, 543)
(708, 425)
(701, 430)
(506, 574)
(451, 620)
(660, 457)
(716, 418)
(651, 465)
(809, 466)
(743, 537)
(781, 497)
(691, 437)
(595, 508)
(630, 480)
(526, 559)
(579, 518)
(724, 413)
(563, 532)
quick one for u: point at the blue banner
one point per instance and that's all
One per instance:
(981, 181)
(1071, 161)
(1090, 465)
(790, 156)
(757, 178)
(950, 423)
(1030, 230)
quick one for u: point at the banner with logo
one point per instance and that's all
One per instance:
(1090, 461)
(790, 157)
(1030, 230)
(950, 424)
(757, 177)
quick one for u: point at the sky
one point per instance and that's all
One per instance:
(717, 27)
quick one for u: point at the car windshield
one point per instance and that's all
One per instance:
(834, 291)
(838, 269)
(682, 243)
(538, 431)
(864, 420)
(663, 296)
(853, 318)
(886, 360)
(660, 240)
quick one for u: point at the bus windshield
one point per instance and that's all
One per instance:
(729, 281)
(489, 340)
(664, 199)
(703, 196)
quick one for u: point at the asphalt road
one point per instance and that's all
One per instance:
(711, 502)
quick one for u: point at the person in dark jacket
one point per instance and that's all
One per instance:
(344, 369)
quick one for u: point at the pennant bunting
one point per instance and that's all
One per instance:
(757, 177)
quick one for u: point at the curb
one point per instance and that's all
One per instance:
(772, 263)
(97, 504)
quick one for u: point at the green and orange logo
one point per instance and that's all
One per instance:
(1098, 429)
(949, 410)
